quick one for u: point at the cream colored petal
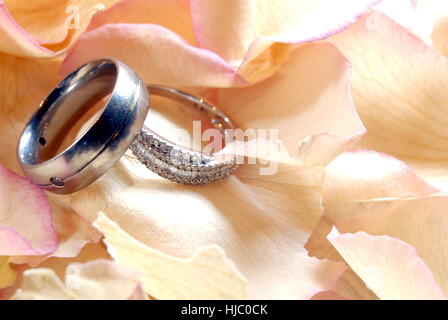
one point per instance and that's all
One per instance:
(388, 199)
(42, 284)
(58, 265)
(307, 96)
(94, 280)
(103, 280)
(399, 89)
(207, 275)
(390, 267)
(261, 222)
(74, 232)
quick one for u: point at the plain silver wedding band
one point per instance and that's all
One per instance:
(118, 128)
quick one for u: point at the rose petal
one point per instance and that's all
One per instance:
(257, 221)
(7, 275)
(328, 295)
(390, 267)
(73, 233)
(206, 275)
(401, 101)
(156, 53)
(42, 284)
(439, 35)
(15, 40)
(26, 227)
(58, 265)
(365, 175)
(93, 280)
(44, 28)
(51, 21)
(403, 208)
(350, 286)
(301, 103)
(171, 14)
(240, 30)
(417, 16)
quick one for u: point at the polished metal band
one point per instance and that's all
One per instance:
(118, 128)
(175, 162)
(102, 145)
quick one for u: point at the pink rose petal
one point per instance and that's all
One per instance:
(231, 27)
(171, 14)
(156, 53)
(26, 226)
(389, 266)
(15, 40)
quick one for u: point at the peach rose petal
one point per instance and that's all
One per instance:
(356, 175)
(406, 208)
(93, 280)
(240, 30)
(439, 35)
(7, 275)
(389, 266)
(159, 55)
(207, 275)
(308, 95)
(26, 227)
(171, 14)
(401, 101)
(44, 28)
(328, 295)
(74, 232)
(350, 286)
(23, 84)
(15, 40)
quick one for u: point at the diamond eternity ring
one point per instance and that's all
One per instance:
(118, 128)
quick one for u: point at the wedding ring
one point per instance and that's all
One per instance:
(118, 128)
(179, 164)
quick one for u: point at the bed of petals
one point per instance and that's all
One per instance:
(357, 209)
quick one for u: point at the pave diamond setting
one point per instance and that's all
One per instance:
(178, 164)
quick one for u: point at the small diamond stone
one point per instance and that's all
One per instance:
(58, 182)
